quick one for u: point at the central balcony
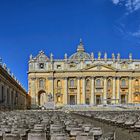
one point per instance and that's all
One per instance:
(99, 86)
(124, 86)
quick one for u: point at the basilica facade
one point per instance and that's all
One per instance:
(83, 79)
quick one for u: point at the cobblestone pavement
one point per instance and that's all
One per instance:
(121, 133)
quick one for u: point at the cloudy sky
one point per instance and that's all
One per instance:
(28, 26)
(130, 19)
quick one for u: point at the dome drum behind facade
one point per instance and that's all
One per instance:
(80, 54)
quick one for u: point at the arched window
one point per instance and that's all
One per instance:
(58, 83)
(123, 82)
(109, 83)
(98, 82)
(71, 83)
(41, 83)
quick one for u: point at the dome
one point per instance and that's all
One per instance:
(80, 54)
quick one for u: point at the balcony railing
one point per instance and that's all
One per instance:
(98, 86)
(124, 86)
(72, 87)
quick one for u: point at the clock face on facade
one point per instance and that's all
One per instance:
(41, 65)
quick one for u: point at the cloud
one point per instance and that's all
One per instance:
(128, 25)
(131, 5)
(136, 34)
(115, 1)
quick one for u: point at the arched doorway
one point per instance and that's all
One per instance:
(42, 98)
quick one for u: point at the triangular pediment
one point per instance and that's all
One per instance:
(41, 57)
(99, 67)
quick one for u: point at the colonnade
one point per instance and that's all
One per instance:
(116, 92)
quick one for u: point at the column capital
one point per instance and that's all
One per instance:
(105, 77)
(130, 77)
(118, 77)
(83, 77)
(33, 78)
(92, 77)
(134, 77)
(114, 77)
(50, 78)
(79, 77)
(65, 78)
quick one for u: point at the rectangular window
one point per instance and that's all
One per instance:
(41, 83)
(72, 66)
(137, 66)
(58, 66)
(72, 83)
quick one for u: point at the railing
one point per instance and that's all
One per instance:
(124, 86)
(98, 86)
(72, 87)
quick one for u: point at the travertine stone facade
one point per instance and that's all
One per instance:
(84, 79)
(12, 94)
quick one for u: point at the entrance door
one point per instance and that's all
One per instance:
(42, 99)
(72, 100)
(108, 101)
(123, 99)
(98, 99)
(87, 101)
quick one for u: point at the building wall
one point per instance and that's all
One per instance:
(12, 95)
(83, 79)
(130, 90)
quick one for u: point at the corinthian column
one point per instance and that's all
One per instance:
(118, 90)
(65, 91)
(78, 90)
(105, 91)
(51, 81)
(84, 92)
(114, 87)
(92, 91)
(130, 91)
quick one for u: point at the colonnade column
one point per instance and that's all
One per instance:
(36, 92)
(114, 87)
(84, 91)
(78, 90)
(10, 97)
(51, 79)
(65, 90)
(5, 94)
(0, 92)
(118, 90)
(92, 92)
(105, 91)
(130, 90)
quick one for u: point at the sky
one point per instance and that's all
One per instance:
(55, 26)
